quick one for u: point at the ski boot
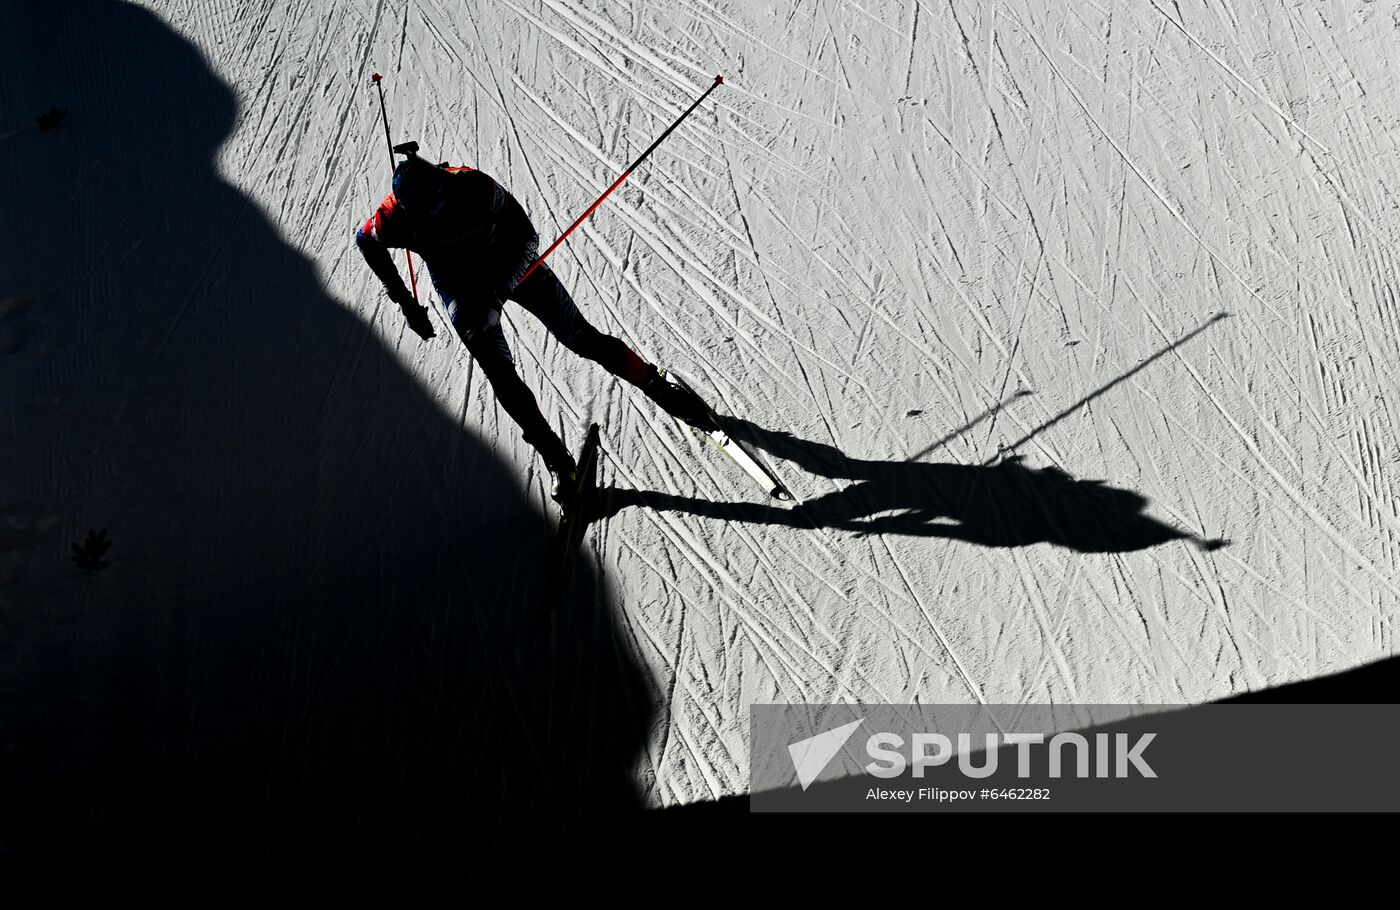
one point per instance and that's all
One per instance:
(563, 474)
(681, 403)
(563, 470)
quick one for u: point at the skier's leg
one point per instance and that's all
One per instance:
(545, 296)
(480, 329)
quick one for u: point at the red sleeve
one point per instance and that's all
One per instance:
(381, 225)
(378, 233)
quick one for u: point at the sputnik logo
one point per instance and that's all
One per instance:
(811, 756)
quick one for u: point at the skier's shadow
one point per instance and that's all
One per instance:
(1003, 505)
(318, 635)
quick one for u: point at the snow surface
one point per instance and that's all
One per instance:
(1028, 303)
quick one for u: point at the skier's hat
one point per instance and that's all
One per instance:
(418, 183)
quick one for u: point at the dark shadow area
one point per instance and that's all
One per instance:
(1002, 505)
(317, 634)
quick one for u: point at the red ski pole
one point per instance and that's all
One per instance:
(719, 80)
(384, 113)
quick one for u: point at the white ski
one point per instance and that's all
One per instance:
(737, 451)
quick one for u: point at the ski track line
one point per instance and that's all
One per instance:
(658, 248)
(671, 657)
(1151, 186)
(657, 746)
(1321, 524)
(677, 532)
(1016, 339)
(1141, 644)
(1053, 652)
(932, 359)
(980, 318)
(1010, 212)
(972, 687)
(775, 577)
(1225, 364)
(1221, 605)
(939, 372)
(1183, 428)
(909, 598)
(712, 16)
(1286, 450)
(772, 298)
(780, 585)
(1240, 79)
(693, 281)
(1264, 463)
(1371, 495)
(889, 618)
(1020, 187)
(663, 112)
(875, 19)
(682, 680)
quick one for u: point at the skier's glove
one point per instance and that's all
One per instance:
(416, 314)
(418, 320)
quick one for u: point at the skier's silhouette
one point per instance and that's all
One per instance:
(1003, 505)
